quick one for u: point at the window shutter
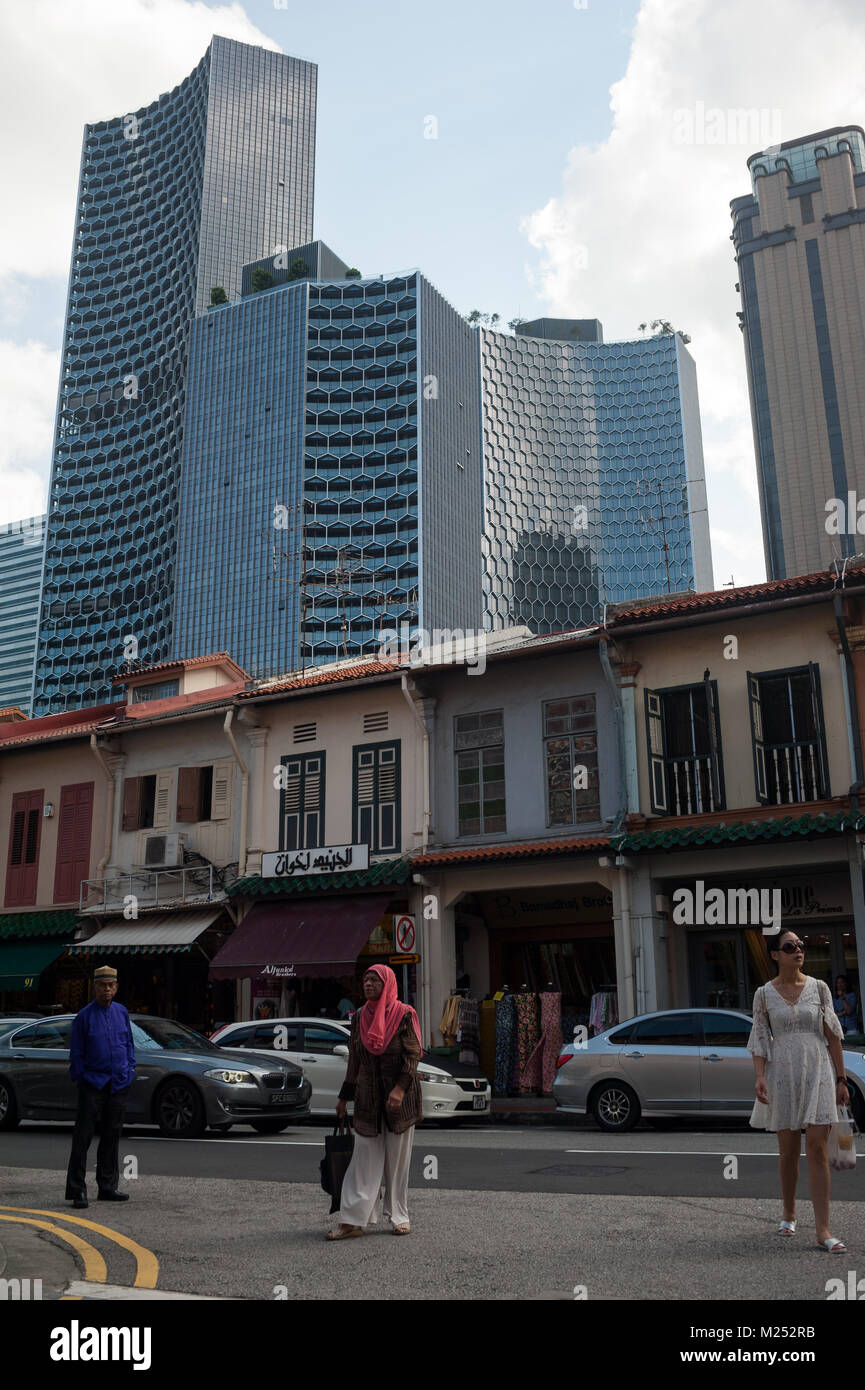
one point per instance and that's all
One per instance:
(817, 706)
(188, 793)
(658, 786)
(75, 817)
(377, 797)
(761, 785)
(220, 801)
(131, 800)
(162, 802)
(22, 868)
(291, 801)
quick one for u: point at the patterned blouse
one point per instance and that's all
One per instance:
(370, 1079)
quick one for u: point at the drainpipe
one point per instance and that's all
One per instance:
(109, 805)
(426, 1012)
(244, 792)
(625, 989)
(404, 686)
(851, 708)
(619, 716)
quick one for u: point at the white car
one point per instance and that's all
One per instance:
(320, 1047)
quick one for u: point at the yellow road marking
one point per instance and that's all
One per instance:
(147, 1265)
(95, 1267)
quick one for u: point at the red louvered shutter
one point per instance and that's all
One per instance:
(188, 793)
(130, 802)
(22, 865)
(73, 840)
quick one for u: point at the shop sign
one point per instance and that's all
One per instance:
(301, 863)
(403, 960)
(583, 902)
(381, 941)
(804, 898)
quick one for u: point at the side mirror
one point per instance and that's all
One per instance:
(340, 1050)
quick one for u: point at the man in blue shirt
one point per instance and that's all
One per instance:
(102, 1063)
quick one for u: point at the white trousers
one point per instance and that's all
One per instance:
(384, 1157)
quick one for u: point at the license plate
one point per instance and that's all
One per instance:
(479, 1102)
(281, 1097)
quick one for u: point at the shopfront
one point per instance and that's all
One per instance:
(729, 959)
(302, 952)
(35, 972)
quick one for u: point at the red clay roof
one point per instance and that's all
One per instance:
(318, 675)
(213, 694)
(187, 663)
(48, 726)
(671, 605)
(526, 849)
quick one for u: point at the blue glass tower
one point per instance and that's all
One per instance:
(594, 482)
(173, 199)
(21, 547)
(332, 474)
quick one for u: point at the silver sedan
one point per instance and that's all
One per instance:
(682, 1062)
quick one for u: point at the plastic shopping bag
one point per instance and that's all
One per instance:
(842, 1145)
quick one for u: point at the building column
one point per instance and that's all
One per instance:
(259, 835)
(628, 684)
(116, 763)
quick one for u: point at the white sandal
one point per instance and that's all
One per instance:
(787, 1228)
(835, 1247)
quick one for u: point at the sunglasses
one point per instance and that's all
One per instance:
(790, 947)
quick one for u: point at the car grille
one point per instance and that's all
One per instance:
(479, 1084)
(282, 1080)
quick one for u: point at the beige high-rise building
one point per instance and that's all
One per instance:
(800, 249)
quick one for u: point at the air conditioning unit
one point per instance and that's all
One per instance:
(163, 851)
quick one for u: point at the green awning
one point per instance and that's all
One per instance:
(14, 925)
(732, 832)
(22, 964)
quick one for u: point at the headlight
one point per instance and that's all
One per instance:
(233, 1078)
(434, 1076)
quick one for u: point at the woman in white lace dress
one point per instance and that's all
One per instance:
(796, 1045)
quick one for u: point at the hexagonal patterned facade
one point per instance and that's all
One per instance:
(173, 199)
(594, 486)
(332, 488)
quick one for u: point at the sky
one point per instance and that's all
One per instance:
(574, 158)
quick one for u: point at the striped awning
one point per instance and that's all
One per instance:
(172, 933)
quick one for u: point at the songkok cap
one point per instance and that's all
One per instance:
(105, 972)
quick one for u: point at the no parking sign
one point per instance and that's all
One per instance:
(404, 936)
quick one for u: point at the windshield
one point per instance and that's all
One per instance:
(164, 1032)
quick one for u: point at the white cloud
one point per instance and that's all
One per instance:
(652, 212)
(64, 63)
(28, 391)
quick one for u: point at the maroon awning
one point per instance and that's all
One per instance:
(280, 941)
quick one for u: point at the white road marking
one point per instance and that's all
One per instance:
(241, 1140)
(683, 1153)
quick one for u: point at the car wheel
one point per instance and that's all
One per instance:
(180, 1110)
(270, 1126)
(615, 1107)
(857, 1105)
(8, 1108)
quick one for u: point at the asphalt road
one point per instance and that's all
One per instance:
(498, 1213)
(692, 1162)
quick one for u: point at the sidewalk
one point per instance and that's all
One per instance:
(265, 1240)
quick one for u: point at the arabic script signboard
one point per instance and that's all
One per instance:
(300, 863)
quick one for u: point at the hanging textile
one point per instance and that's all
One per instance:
(526, 1065)
(467, 1032)
(448, 1025)
(487, 1032)
(506, 1017)
(603, 1010)
(540, 1070)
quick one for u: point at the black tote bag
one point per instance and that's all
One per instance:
(338, 1149)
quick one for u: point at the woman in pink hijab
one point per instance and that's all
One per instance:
(384, 1050)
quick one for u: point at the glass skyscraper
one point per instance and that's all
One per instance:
(332, 473)
(800, 250)
(21, 545)
(593, 467)
(173, 200)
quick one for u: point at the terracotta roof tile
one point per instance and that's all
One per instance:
(670, 605)
(526, 849)
(299, 680)
(186, 663)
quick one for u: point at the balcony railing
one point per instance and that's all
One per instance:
(690, 783)
(792, 772)
(151, 888)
